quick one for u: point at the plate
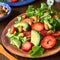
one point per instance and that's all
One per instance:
(25, 2)
(19, 52)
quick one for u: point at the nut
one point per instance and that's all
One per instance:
(46, 26)
(6, 11)
(20, 29)
(30, 23)
(21, 34)
(34, 17)
(50, 32)
(23, 15)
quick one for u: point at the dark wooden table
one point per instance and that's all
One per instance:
(18, 10)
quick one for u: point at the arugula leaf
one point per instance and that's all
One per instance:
(36, 51)
(23, 39)
(55, 23)
(44, 6)
(30, 11)
(39, 12)
(53, 11)
(19, 19)
(49, 25)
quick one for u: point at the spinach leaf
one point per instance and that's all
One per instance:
(36, 51)
(43, 6)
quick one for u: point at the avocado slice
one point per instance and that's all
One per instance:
(35, 37)
(25, 25)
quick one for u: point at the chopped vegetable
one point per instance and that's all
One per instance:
(15, 42)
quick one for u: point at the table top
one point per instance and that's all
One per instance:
(18, 10)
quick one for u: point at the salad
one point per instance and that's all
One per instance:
(36, 31)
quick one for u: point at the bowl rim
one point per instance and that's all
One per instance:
(8, 7)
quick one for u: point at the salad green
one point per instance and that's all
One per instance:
(36, 51)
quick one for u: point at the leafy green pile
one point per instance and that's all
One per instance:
(44, 14)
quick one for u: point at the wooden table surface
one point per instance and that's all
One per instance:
(18, 10)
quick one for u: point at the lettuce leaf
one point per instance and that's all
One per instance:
(36, 51)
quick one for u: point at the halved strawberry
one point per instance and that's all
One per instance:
(48, 42)
(38, 26)
(13, 29)
(27, 46)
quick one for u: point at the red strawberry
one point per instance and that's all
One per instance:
(38, 26)
(13, 29)
(48, 42)
(27, 46)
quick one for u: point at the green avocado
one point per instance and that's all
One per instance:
(25, 25)
(35, 37)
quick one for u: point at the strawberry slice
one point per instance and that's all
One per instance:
(27, 46)
(48, 42)
(13, 29)
(38, 26)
